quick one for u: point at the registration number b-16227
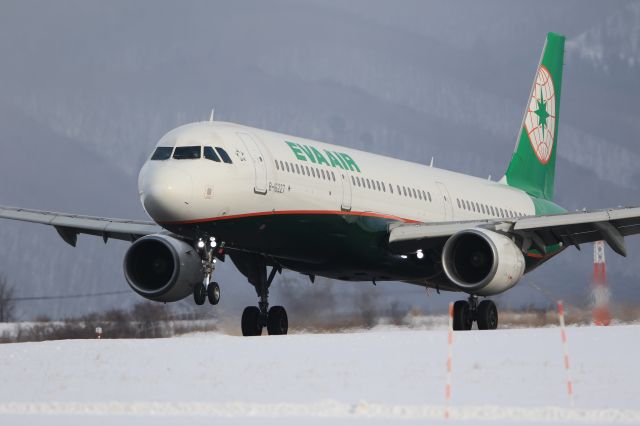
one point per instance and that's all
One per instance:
(276, 187)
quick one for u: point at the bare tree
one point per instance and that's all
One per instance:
(7, 302)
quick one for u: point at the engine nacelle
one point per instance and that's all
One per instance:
(482, 262)
(162, 268)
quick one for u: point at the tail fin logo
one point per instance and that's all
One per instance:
(540, 119)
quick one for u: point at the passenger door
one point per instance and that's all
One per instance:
(346, 191)
(446, 200)
(258, 160)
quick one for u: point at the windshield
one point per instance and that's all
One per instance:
(187, 152)
(162, 153)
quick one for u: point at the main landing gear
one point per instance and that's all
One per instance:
(207, 289)
(254, 319)
(484, 313)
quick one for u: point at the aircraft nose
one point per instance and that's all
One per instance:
(166, 193)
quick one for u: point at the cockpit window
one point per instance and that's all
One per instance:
(162, 153)
(187, 152)
(210, 154)
(223, 154)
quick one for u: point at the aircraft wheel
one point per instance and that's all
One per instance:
(213, 293)
(487, 315)
(462, 315)
(277, 321)
(199, 294)
(251, 325)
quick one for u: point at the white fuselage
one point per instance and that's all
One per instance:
(276, 173)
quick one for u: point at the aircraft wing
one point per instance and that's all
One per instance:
(70, 225)
(610, 225)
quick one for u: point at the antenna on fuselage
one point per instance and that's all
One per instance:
(213, 110)
(431, 163)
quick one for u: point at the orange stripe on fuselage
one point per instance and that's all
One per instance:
(291, 212)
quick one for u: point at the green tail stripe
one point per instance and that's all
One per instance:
(532, 166)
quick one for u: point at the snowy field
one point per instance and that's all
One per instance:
(377, 377)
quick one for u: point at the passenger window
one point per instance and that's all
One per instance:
(323, 176)
(414, 193)
(223, 154)
(429, 195)
(391, 188)
(353, 181)
(287, 164)
(313, 172)
(404, 190)
(333, 176)
(458, 202)
(210, 154)
(420, 195)
(187, 152)
(384, 189)
(297, 169)
(368, 183)
(378, 185)
(277, 165)
(162, 153)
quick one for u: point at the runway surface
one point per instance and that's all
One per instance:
(376, 377)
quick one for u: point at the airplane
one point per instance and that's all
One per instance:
(270, 201)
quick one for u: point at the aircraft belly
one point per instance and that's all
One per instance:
(343, 246)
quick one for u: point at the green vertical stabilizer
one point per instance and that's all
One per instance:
(532, 167)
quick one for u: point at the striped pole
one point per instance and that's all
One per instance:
(447, 392)
(565, 347)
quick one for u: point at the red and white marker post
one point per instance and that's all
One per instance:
(447, 391)
(599, 288)
(565, 347)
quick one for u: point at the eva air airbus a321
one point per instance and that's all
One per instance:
(270, 201)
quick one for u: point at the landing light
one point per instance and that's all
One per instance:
(200, 244)
(212, 242)
(419, 254)
(404, 256)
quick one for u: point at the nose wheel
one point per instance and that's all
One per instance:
(465, 313)
(207, 290)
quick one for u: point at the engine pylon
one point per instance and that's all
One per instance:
(600, 293)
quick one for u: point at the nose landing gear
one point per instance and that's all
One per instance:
(465, 313)
(207, 289)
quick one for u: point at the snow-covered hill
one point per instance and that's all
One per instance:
(385, 377)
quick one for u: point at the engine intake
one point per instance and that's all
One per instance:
(482, 262)
(162, 268)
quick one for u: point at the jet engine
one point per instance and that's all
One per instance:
(162, 268)
(482, 262)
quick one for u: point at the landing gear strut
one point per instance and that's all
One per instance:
(254, 319)
(207, 289)
(485, 314)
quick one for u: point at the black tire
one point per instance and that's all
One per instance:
(251, 321)
(462, 315)
(199, 294)
(487, 315)
(213, 293)
(277, 321)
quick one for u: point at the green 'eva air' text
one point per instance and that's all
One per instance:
(326, 157)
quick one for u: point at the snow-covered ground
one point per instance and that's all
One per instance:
(379, 377)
